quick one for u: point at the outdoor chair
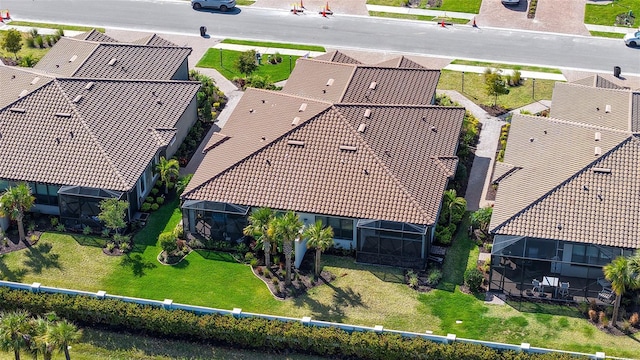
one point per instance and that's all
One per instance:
(564, 289)
(606, 296)
(537, 286)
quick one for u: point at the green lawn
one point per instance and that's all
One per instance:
(35, 53)
(607, 34)
(464, 6)
(605, 14)
(474, 89)
(245, 2)
(54, 26)
(361, 294)
(274, 45)
(507, 66)
(213, 58)
(416, 17)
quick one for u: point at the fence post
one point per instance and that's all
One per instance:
(378, 328)
(600, 355)
(35, 287)
(306, 320)
(451, 338)
(167, 304)
(101, 294)
(524, 347)
(236, 312)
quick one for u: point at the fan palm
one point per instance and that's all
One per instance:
(454, 203)
(14, 332)
(320, 239)
(63, 334)
(622, 277)
(168, 171)
(40, 343)
(258, 228)
(15, 201)
(287, 228)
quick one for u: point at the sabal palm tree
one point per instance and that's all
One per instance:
(63, 334)
(168, 171)
(258, 228)
(453, 202)
(319, 238)
(14, 332)
(40, 343)
(15, 201)
(622, 277)
(287, 228)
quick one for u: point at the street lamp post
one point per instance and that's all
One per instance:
(533, 89)
(220, 58)
(463, 81)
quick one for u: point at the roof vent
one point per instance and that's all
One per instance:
(13, 76)
(263, 138)
(367, 113)
(373, 85)
(17, 110)
(264, 101)
(607, 108)
(545, 132)
(424, 118)
(296, 121)
(71, 134)
(62, 114)
(23, 93)
(585, 187)
(159, 102)
(601, 170)
(77, 99)
(295, 142)
(73, 58)
(268, 162)
(348, 147)
(329, 82)
(559, 226)
(89, 85)
(58, 140)
(365, 171)
(433, 128)
(531, 139)
(112, 61)
(250, 111)
(597, 151)
(303, 107)
(35, 80)
(598, 136)
(324, 91)
(362, 127)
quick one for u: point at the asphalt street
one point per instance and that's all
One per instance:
(371, 33)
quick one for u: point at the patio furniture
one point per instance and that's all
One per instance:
(606, 284)
(564, 289)
(553, 282)
(607, 296)
(537, 286)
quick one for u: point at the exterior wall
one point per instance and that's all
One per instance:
(183, 125)
(183, 71)
(46, 209)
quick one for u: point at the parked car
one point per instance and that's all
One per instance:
(511, 2)
(222, 5)
(632, 39)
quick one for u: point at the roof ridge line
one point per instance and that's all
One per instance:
(346, 87)
(273, 92)
(566, 181)
(86, 58)
(568, 122)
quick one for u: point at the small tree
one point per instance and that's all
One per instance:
(62, 334)
(246, 63)
(622, 277)
(169, 170)
(455, 205)
(258, 228)
(287, 228)
(319, 238)
(14, 332)
(168, 244)
(495, 84)
(113, 213)
(12, 42)
(15, 202)
(482, 217)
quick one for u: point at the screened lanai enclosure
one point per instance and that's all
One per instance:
(392, 243)
(80, 206)
(551, 269)
(215, 220)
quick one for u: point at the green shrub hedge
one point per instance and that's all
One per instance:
(265, 335)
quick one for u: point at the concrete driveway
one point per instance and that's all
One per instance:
(564, 16)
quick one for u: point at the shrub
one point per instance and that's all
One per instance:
(155, 191)
(119, 239)
(31, 42)
(149, 199)
(59, 33)
(253, 262)
(28, 61)
(433, 277)
(145, 207)
(626, 327)
(412, 279)
(110, 246)
(259, 270)
(593, 315)
(267, 274)
(86, 230)
(160, 200)
(154, 207)
(516, 77)
(105, 233)
(60, 228)
(124, 246)
(473, 278)
(634, 320)
(178, 231)
(603, 319)
(249, 256)
(274, 281)
(31, 227)
(49, 40)
(54, 221)
(39, 41)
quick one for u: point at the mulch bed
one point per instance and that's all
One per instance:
(14, 244)
(494, 110)
(301, 282)
(8, 61)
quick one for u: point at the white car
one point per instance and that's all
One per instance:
(222, 5)
(511, 2)
(632, 39)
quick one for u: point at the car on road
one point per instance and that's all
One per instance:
(511, 2)
(632, 39)
(222, 5)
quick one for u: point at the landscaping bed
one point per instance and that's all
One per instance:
(302, 281)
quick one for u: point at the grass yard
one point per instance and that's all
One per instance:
(464, 6)
(35, 53)
(360, 294)
(607, 34)
(605, 14)
(274, 45)
(507, 66)
(245, 2)
(213, 58)
(474, 89)
(55, 26)
(416, 17)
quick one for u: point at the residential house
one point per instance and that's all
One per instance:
(568, 199)
(359, 147)
(91, 121)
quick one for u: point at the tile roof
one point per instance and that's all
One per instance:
(337, 56)
(71, 133)
(635, 112)
(392, 86)
(588, 105)
(401, 62)
(17, 82)
(321, 80)
(154, 40)
(394, 167)
(94, 35)
(599, 82)
(78, 58)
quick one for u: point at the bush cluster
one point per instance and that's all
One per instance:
(252, 333)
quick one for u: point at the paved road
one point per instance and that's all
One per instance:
(458, 41)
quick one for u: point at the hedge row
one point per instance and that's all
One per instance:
(261, 334)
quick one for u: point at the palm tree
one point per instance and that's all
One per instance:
(40, 343)
(287, 227)
(622, 277)
(14, 332)
(319, 238)
(168, 171)
(15, 202)
(63, 334)
(453, 202)
(258, 228)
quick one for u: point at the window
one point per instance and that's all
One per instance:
(342, 228)
(590, 254)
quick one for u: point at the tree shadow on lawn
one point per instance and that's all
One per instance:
(384, 273)
(40, 257)
(11, 275)
(320, 311)
(94, 241)
(137, 264)
(216, 255)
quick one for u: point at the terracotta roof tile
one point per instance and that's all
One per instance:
(58, 59)
(337, 56)
(18, 82)
(95, 35)
(392, 86)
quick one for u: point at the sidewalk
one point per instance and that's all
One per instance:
(41, 31)
(268, 50)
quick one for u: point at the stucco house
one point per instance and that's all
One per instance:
(91, 120)
(359, 147)
(568, 199)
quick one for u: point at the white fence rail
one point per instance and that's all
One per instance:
(236, 312)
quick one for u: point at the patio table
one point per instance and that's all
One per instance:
(551, 281)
